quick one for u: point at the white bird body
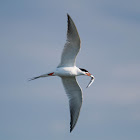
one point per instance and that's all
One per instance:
(68, 71)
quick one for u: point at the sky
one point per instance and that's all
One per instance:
(32, 36)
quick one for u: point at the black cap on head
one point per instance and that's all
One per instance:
(83, 69)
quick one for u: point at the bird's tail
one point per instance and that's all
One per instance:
(41, 76)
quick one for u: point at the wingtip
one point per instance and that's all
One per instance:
(68, 15)
(71, 128)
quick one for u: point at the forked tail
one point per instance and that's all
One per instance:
(41, 76)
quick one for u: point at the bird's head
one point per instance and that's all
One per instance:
(85, 72)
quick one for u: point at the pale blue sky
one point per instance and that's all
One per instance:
(32, 36)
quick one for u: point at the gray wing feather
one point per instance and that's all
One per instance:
(72, 45)
(74, 94)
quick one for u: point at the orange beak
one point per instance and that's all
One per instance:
(88, 74)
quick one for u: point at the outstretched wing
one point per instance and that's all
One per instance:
(72, 45)
(74, 94)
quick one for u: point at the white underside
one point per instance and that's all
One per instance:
(68, 71)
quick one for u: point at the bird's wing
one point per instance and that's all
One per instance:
(72, 45)
(74, 94)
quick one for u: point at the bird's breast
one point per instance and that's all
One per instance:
(66, 71)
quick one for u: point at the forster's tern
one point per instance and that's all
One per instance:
(68, 71)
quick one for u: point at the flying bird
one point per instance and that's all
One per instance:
(68, 71)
